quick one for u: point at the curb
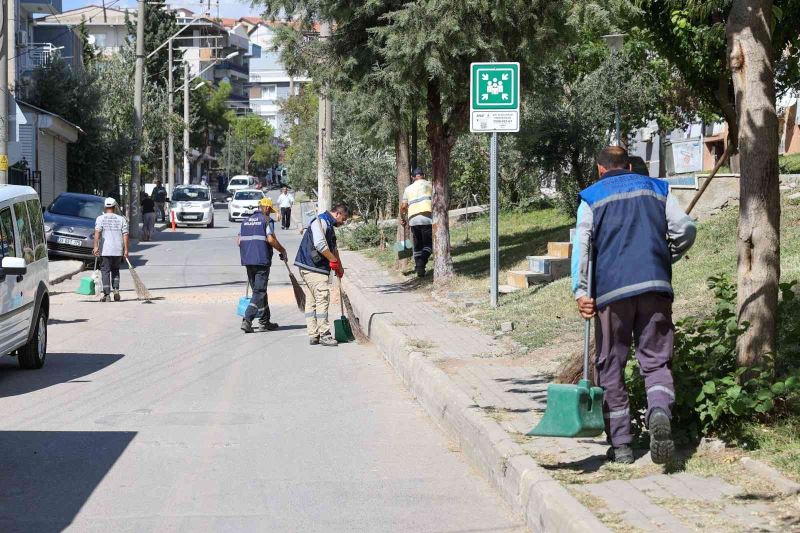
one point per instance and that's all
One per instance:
(544, 503)
(67, 275)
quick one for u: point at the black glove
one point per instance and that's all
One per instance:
(282, 255)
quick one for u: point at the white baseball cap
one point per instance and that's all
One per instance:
(110, 202)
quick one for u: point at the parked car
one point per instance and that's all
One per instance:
(24, 273)
(192, 206)
(239, 183)
(243, 204)
(69, 224)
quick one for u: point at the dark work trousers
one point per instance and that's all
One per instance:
(286, 217)
(258, 277)
(423, 245)
(647, 318)
(109, 268)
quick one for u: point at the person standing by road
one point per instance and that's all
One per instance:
(148, 217)
(160, 198)
(285, 202)
(113, 229)
(635, 230)
(256, 245)
(316, 257)
(416, 208)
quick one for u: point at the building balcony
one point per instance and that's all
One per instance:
(50, 7)
(241, 69)
(42, 54)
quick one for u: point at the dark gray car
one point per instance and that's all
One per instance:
(69, 224)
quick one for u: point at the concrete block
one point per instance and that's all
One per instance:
(507, 289)
(572, 235)
(522, 279)
(507, 327)
(555, 267)
(559, 249)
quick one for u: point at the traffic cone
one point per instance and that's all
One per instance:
(172, 219)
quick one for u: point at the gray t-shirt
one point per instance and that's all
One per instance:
(112, 228)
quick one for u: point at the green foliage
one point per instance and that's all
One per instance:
(300, 112)
(249, 146)
(210, 116)
(360, 236)
(789, 164)
(713, 395)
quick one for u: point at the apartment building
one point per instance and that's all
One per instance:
(106, 26)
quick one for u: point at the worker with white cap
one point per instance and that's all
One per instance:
(113, 230)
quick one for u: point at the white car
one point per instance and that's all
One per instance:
(244, 203)
(239, 183)
(191, 205)
(24, 274)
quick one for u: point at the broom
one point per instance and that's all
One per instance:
(299, 294)
(141, 291)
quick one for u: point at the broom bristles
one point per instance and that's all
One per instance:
(141, 291)
(299, 293)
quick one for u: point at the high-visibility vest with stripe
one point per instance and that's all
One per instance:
(419, 196)
(253, 246)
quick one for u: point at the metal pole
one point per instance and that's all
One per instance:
(170, 134)
(4, 96)
(186, 180)
(494, 240)
(324, 193)
(616, 124)
(136, 160)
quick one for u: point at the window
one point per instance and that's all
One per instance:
(75, 206)
(190, 195)
(269, 92)
(24, 231)
(248, 195)
(37, 225)
(8, 246)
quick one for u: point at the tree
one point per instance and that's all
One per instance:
(300, 113)
(210, 117)
(249, 146)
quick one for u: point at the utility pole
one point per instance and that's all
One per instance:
(324, 193)
(186, 179)
(136, 160)
(4, 96)
(170, 134)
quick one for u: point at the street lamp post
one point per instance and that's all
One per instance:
(614, 43)
(136, 160)
(170, 134)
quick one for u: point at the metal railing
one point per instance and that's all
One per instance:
(42, 54)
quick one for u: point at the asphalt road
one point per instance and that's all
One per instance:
(166, 417)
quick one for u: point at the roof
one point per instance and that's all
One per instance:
(92, 13)
(8, 192)
(46, 112)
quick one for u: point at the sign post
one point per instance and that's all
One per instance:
(494, 108)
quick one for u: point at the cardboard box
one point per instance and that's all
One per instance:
(522, 279)
(559, 249)
(555, 267)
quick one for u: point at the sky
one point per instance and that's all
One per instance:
(227, 8)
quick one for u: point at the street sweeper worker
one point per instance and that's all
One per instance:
(635, 230)
(257, 243)
(416, 208)
(113, 230)
(316, 258)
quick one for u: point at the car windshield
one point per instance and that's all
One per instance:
(190, 195)
(76, 206)
(239, 181)
(248, 195)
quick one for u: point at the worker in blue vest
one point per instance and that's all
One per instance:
(256, 245)
(316, 258)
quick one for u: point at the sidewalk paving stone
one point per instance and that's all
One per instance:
(512, 390)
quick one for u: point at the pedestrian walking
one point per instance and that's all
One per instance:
(416, 208)
(257, 243)
(285, 202)
(148, 217)
(113, 230)
(160, 198)
(316, 258)
(634, 229)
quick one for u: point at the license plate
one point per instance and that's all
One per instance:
(69, 242)
(191, 217)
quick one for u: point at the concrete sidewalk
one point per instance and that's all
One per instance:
(62, 270)
(487, 397)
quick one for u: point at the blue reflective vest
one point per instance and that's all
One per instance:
(305, 254)
(254, 249)
(630, 236)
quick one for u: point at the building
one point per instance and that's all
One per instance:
(106, 26)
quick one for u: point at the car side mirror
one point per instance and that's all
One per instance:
(13, 266)
(228, 199)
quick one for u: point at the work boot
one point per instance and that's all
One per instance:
(622, 454)
(116, 296)
(661, 444)
(421, 272)
(268, 326)
(313, 341)
(104, 298)
(247, 327)
(328, 340)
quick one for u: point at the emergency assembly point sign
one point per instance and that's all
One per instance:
(494, 97)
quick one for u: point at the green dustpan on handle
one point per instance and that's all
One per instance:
(574, 410)
(342, 331)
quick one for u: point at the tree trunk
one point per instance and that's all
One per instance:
(440, 144)
(751, 60)
(401, 156)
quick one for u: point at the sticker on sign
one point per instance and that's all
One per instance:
(494, 97)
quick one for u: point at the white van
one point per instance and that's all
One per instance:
(239, 183)
(24, 301)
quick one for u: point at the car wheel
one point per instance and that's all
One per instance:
(210, 224)
(230, 218)
(33, 354)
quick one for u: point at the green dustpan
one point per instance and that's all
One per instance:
(87, 285)
(574, 410)
(341, 327)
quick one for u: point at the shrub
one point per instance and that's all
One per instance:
(713, 395)
(358, 237)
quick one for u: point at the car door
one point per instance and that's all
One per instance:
(27, 245)
(13, 323)
(38, 269)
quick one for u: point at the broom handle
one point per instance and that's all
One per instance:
(587, 328)
(341, 300)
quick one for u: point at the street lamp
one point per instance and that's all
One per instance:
(614, 43)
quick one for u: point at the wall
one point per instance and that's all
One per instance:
(723, 191)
